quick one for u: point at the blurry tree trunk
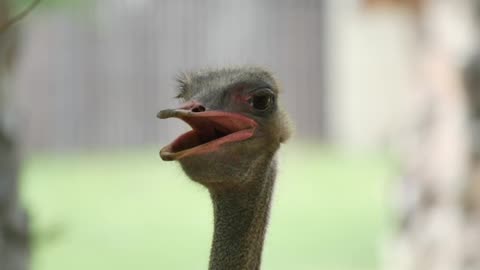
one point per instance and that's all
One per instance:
(14, 252)
(439, 189)
(472, 200)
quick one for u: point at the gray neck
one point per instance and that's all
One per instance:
(240, 222)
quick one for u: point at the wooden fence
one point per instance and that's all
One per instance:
(97, 77)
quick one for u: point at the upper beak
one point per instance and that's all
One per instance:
(169, 113)
(186, 109)
(210, 130)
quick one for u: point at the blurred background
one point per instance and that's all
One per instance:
(381, 173)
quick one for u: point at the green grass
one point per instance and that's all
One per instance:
(69, 4)
(129, 210)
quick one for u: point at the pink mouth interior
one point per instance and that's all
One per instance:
(212, 129)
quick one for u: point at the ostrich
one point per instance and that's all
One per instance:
(237, 127)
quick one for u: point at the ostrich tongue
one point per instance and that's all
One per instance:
(210, 130)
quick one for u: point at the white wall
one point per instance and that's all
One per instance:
(369, 69)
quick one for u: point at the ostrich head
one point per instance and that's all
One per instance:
(236, 124)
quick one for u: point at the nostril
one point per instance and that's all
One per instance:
(198, 108)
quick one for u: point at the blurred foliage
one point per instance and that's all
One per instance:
(130, 210)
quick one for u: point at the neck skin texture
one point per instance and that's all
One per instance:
(240, 217)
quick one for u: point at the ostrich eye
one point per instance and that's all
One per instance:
(261, 101)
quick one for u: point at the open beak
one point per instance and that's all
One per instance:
(210, 130)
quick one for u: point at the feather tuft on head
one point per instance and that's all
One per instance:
(183, 80)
